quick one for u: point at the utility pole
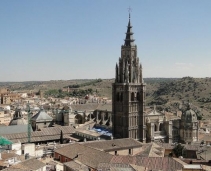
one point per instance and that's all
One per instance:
(29, 122)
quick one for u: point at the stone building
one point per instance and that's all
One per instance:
(81, 113)
(128, 93)
(7, 97)
(189, 126)
(5, 117)
(161, 126)
(18, 118)
(131, 118)
(41, 120)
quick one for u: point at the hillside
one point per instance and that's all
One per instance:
(169, 95)
(166, 93)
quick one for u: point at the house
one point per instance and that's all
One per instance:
(119, 154)
(84, 154)
(7, 159)
(31, 164)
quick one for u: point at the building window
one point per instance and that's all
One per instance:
(132, 96)
(59, 157)
(66, 159)
(121, 97)
(129, 151)
(138, 96)
(155, 128)
(115, 152)
(161, 127)
(117, 97)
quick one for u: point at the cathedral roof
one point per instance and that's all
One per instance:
(129, 41)
(91, 107)
(84, 107)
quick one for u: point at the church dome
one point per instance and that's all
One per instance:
(18, 121)
(189, 116)
(18, 118)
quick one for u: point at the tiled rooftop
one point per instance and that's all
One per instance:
(110, 145)
(86, 155)
(30, 164)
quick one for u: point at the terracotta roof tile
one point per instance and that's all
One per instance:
(86, 155)
(152, 163)
(111, 145)
(115, 167)
(30, 164)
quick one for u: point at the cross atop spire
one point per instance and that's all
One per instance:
(129, 10)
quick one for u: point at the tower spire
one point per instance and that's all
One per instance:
(129, 41)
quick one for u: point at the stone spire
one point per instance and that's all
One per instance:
(128, 69)
(128, 93)
(129, 41)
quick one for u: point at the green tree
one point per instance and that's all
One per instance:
(61, 137)
(199, 117)
(179, 150)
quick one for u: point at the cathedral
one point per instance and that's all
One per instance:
(130, 116)
(128, 93)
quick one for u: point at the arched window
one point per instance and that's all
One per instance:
(132, 96)
(161, 127)
(78, 119)
(155, 128)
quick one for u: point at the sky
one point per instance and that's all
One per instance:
(45, 40)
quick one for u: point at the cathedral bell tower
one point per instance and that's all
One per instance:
(128, 93)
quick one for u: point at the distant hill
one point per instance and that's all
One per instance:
(169, 94)
(163, 92)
